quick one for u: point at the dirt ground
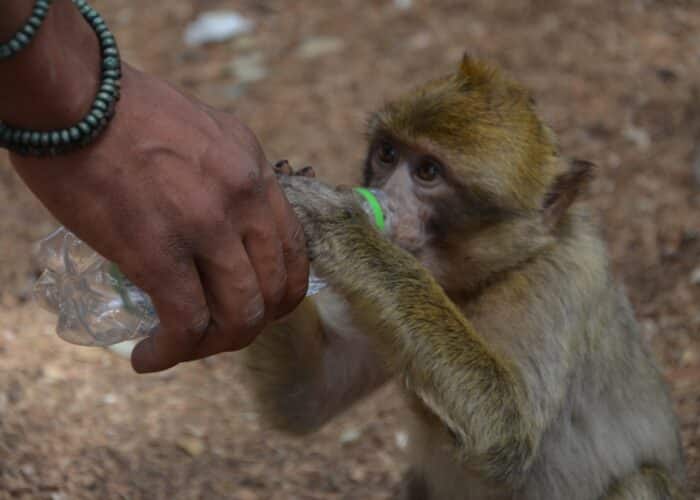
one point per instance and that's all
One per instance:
(618, 81)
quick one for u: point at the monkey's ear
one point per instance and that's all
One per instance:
(474, 73)
(564, 190)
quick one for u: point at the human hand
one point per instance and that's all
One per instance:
(181, 197)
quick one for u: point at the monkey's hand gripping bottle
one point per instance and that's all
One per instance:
(97, 305)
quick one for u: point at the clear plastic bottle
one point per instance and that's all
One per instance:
(98, 306)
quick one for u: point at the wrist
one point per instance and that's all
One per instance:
(52, 82)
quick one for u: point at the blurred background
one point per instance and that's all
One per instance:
(619, 82)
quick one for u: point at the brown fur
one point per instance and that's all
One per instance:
(520, 359)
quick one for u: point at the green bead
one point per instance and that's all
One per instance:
(22, 38)
(35, 140)
(111, 73)
(103, 96)
(34, 22)
(5, 51)
(74, 134)
(40, 13)
(28, 30)
(45, 139)
(110, 63)
(92, 121)
(92, 15)
(6, 135)
(16, 136)
(98, 114)
(84, 128)
(101, 105)
(55, 138)
(108, 89)
(108, 41)
(43, 4)
(110, 52)
(65, 136)
(15, 45)
(26, 137)
(101, 28)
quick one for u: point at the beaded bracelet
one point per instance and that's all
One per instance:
(43, 143)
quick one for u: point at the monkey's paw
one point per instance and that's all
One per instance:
(325, 212)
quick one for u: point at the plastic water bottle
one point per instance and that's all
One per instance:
(98, 306)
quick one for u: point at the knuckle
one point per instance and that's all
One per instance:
(254, 312)
(297, 289)
(276, 288)
(249, 183)
(198, 324)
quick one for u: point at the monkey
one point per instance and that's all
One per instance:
(491, 304)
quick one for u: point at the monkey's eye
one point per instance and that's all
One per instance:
(428, 171)
(387, 154)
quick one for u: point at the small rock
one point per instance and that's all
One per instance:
(216, 26)
(28, 470)
(401, 438)
(191, 445)
(53, 373)
(689, 357)
(638, 136)
(695, 276)
(319, 46)
(350, 436)
(249, 68)
(358, 474)
(109, 399)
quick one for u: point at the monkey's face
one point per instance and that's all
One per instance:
(444, 221)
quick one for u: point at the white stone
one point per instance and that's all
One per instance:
(216, 26)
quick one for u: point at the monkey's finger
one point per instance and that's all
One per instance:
(283, 167)
(307, 171)
(184, 315)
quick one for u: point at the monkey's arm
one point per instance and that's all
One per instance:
(478, 394)
(303, 370)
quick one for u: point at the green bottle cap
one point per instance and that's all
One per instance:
(374, 205)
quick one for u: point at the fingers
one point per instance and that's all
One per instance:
(236, 297)
(295, 261)
(180, 302)
(283, 167)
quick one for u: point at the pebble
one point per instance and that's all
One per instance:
(350, 436)
(249, 68)
(216, 26)
(319, 46)
(638, 136)
(401, 438)
(191, 445)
